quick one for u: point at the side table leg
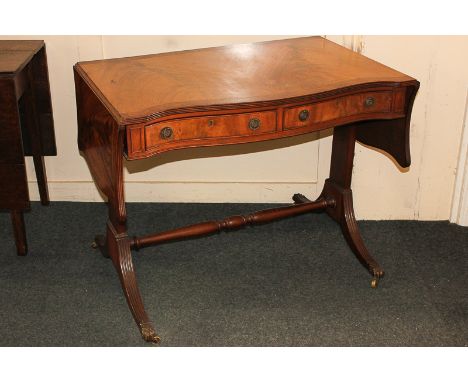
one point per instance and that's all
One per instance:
(118, 248)
(101, 142)
(353, 236)
(41, 179)
(338, 187)
(17, 220)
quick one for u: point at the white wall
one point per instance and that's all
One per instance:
(459, 213)
(425, 192)
(381, 190)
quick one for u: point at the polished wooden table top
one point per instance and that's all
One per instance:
(140, 88)
(243, 93)
(15, 54)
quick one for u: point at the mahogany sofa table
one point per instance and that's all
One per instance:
(143, 106)
(26, 127)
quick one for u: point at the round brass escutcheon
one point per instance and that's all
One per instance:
(254, 123)
(166, 133)
(370, 101)
(304, 115)
(210, 123)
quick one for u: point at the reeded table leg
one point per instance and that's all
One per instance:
(17, 220)
(338, 187)
(117, 247)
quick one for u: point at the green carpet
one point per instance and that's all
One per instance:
(289, 283)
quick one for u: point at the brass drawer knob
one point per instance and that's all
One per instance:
(304, 115)
(166, 133)
(370, 101)
(254, 123)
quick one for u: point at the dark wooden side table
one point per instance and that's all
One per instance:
(26, 127)
(144, 106)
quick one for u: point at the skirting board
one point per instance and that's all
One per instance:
(181, 192)
(211, 192)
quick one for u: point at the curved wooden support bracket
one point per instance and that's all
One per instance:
(338, 188)
(299, 198)
(343, 214)
(118, 247)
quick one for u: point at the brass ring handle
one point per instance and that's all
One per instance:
(254, 123)
(304, 115)
(370, 101)
(166, 133)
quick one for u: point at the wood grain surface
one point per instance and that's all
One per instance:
(15, 54)
(141, 88)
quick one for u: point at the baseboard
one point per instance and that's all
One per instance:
(181, 192)
(212, 192)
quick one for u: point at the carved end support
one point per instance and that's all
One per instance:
(343, 214)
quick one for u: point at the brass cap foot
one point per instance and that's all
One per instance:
(148, 333)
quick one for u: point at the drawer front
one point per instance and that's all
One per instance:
(342, 107)
(219, 126)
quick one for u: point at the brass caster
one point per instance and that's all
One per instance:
(94, 245)
(148, 334)
(155, 340)
(374, 282)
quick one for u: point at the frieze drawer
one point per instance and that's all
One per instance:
(235, 125)
(347, 107)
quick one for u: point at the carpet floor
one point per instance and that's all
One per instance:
(290, 283)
